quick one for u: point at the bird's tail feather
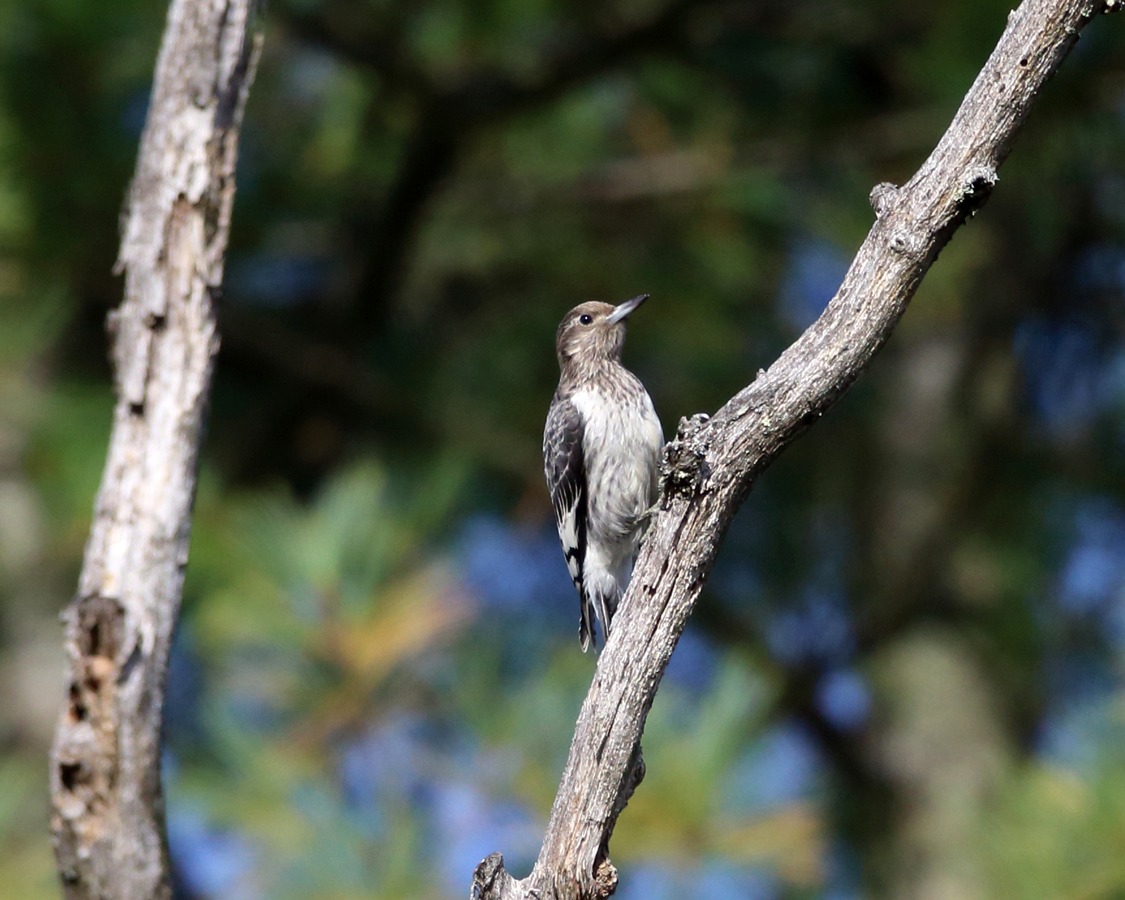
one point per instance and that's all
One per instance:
(601, 604)
(585, 625)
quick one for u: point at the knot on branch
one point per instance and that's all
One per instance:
(95, 637)
(905, 243)
(490, 880)
(882, 197)
(683, 466)
(976, 189)
(605, 880)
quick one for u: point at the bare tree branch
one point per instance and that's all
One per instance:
(448, 116)
(711, 465)
(108, 813)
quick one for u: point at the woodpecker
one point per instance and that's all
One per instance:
(601, 452)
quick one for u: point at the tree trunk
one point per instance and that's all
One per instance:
(107, 805)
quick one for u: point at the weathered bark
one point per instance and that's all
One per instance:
(711, 465)
(108, 819)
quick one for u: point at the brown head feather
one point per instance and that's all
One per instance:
(590, 338)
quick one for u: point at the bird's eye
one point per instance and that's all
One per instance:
(585, 319)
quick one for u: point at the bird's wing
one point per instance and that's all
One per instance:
(565, 467)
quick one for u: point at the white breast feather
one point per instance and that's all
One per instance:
(621, 444)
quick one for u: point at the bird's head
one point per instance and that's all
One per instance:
(593, 332)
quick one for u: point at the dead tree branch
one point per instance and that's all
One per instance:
(107, 804)
(448, 115)
(711, 465)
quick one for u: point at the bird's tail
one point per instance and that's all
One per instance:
(599, 600)
(585, 624)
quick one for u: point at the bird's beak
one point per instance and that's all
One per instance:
(620, 312)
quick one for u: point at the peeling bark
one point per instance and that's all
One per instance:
(711, 465)
(107, 817)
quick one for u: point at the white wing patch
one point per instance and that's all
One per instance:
(564, 466)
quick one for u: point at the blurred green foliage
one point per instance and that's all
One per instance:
(904, 678)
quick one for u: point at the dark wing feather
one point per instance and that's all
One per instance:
(565, 468)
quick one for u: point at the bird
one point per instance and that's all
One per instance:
(601, 455)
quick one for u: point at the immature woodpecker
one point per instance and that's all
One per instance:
(601, 451)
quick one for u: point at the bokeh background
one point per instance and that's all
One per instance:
(903, 679)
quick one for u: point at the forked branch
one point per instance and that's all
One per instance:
(712, 463)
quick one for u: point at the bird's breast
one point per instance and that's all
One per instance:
(621, 442)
